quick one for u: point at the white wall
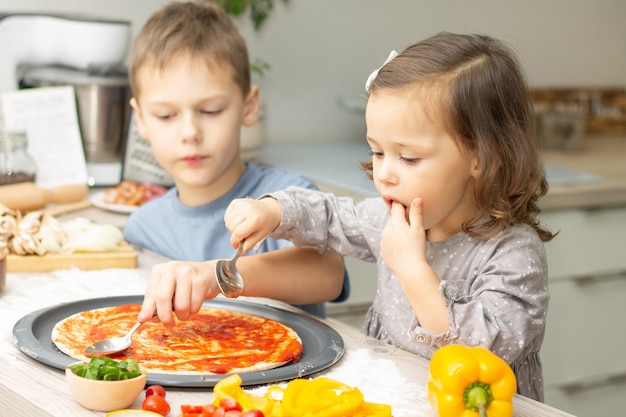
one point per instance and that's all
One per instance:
(136, 11)
(323, 50)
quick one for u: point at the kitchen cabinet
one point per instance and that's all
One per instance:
(582, 354)
(584, 363)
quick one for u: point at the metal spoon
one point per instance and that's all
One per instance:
(228, 277)
(112, 344)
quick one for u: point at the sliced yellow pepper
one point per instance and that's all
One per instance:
(470, 382)
(373, 410)
(320, 397)
(230, 387)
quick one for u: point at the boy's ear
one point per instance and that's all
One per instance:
(251, 107)
(141, 126)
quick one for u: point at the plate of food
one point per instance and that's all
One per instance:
(98, 200)
(55, 336)
(126, 196)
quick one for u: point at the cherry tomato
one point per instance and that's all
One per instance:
(188, 408)
(157, 390)
(219, 412)
(156, 404)
(208, 410)
(253, 413)
(230, 404)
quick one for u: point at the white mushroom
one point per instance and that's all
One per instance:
(8, 225)
(31, 222)
(52, 235)
(24, 243)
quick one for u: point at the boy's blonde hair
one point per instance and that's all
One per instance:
(187, 29)
(477, 85)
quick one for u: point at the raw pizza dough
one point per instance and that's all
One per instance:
(213, 341)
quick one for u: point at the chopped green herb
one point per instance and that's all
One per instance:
(107, 369)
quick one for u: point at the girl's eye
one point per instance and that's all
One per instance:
(164, 116)
(210, 111)
(376, 154)
(409, 160)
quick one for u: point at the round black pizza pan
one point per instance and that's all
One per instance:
(323, 346)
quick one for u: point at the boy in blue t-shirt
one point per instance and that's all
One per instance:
(190, 78)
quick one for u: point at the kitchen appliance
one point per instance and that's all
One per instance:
(65, 39)
(87, 53)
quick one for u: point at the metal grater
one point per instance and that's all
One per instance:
(139, 163)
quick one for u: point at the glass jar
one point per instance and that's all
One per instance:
(16, 164)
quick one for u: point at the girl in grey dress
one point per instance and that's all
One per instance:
(455, 235)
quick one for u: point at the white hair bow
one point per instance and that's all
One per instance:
(374, 73)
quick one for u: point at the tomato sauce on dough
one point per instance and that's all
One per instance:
(213, 341)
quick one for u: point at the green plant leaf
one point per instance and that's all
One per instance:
(259, 9)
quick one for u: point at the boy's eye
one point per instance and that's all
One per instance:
(164, 116)
(210, 111)
(376, 154)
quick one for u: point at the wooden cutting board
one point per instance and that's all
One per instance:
(124, 257)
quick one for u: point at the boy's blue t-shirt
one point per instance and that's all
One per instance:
(167, 227)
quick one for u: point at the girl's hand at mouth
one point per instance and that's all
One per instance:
(403, 240)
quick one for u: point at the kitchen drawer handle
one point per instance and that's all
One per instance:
(590, 279)
(593, 382)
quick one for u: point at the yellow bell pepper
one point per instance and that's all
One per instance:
(470, 382)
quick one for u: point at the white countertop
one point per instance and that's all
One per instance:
(591, 177)
(335, 164)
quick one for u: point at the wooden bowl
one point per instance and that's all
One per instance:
(100, 395)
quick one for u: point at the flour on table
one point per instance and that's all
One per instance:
(379, 380)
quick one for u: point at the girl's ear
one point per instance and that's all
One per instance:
(141, 126)
(251, 107)
(475, 164)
